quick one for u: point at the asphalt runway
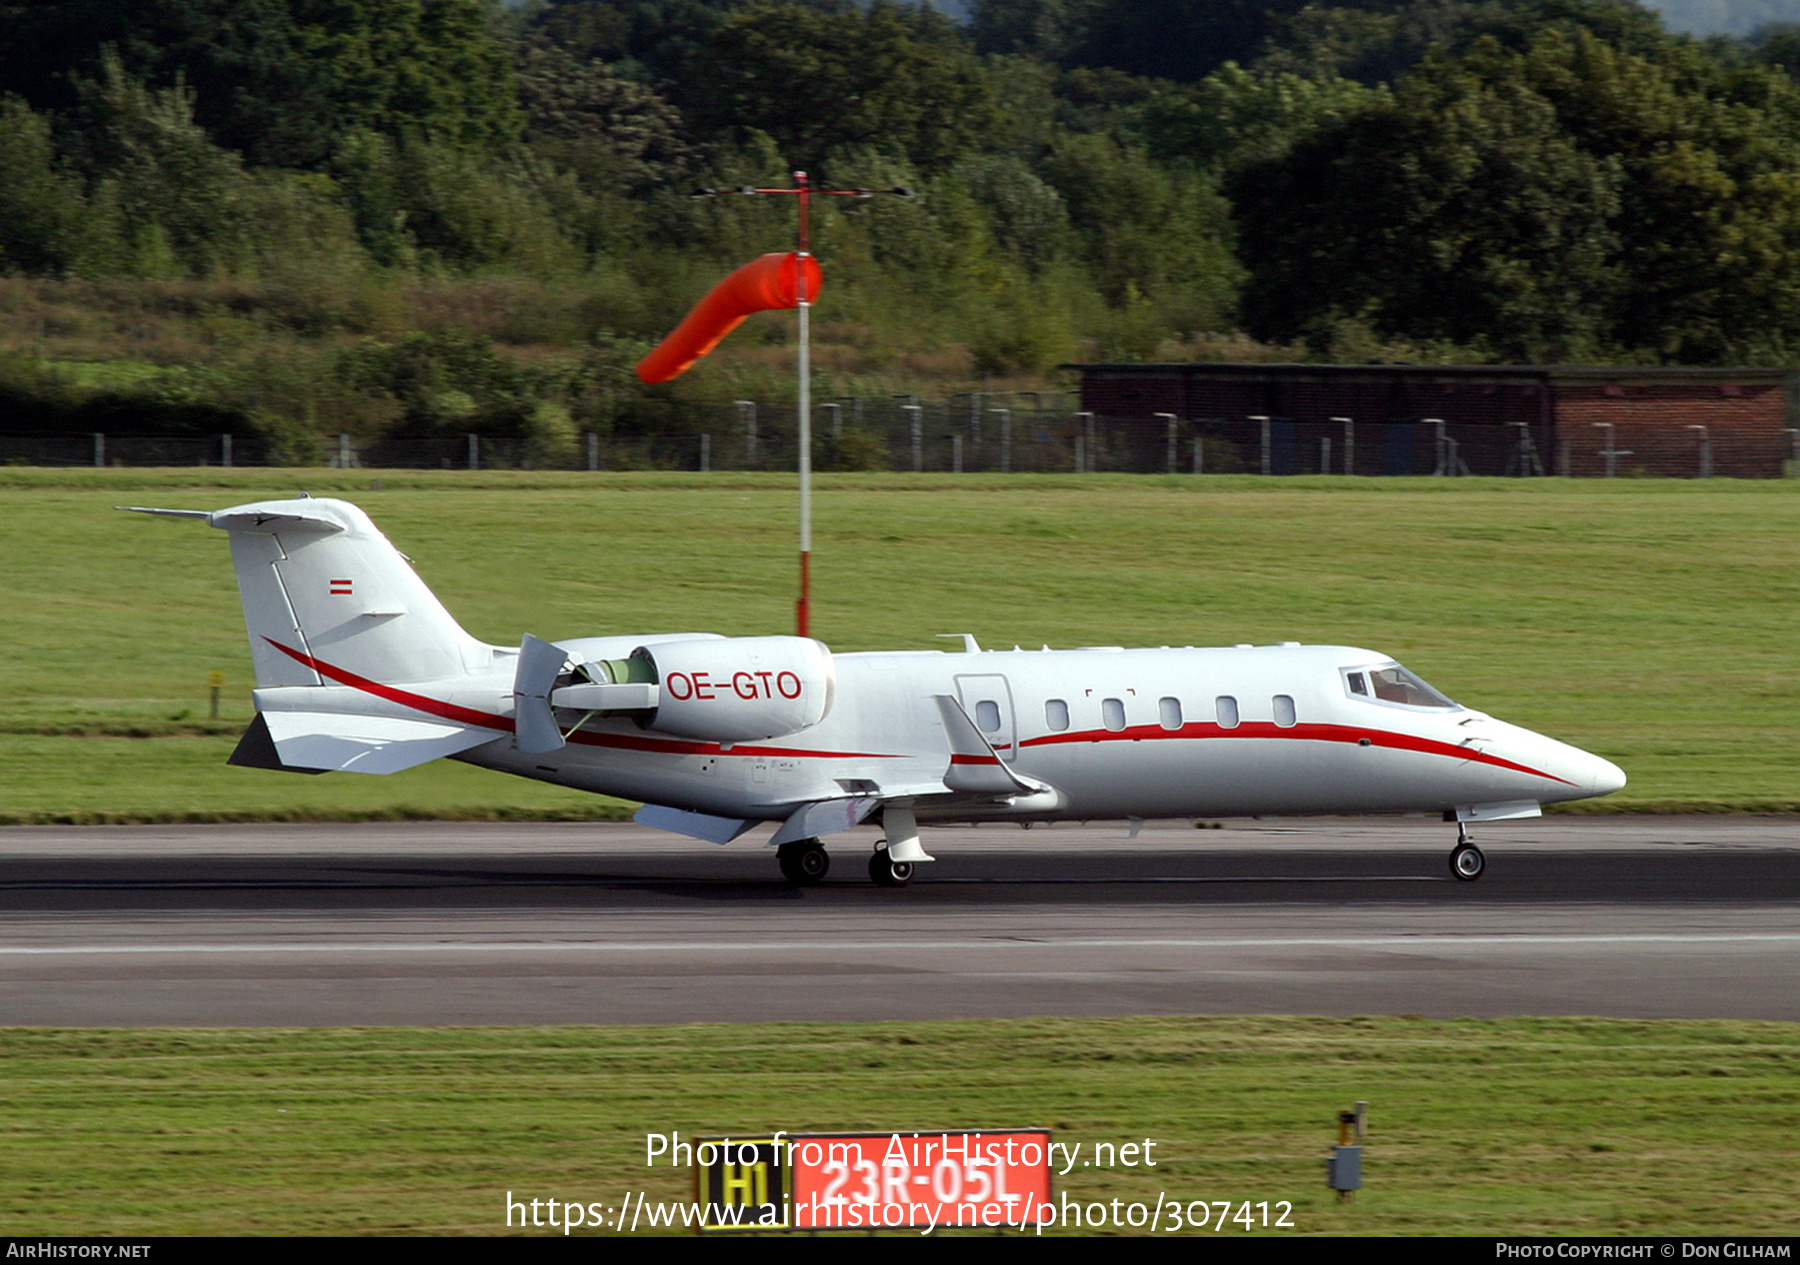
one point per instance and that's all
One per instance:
(433, 923)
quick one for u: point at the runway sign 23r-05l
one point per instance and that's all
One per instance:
(863, 1181)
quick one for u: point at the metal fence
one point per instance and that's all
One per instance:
(969, 435)
(101, 449)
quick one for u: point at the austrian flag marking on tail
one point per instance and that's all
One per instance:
(340, 588)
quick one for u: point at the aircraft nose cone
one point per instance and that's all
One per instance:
(1604, 777)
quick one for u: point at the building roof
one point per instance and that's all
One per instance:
(1646, 374)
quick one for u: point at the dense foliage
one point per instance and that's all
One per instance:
(1486, 179)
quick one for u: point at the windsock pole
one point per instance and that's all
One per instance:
(801, 608)
(679, 361)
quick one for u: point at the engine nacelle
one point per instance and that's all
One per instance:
(739, 689)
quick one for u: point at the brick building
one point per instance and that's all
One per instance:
(1497, 420)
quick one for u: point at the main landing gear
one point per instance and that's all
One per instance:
(884, 872)
(804, 862)
(1466, 861)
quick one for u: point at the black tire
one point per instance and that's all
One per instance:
(804, 863)
(886, 873)
(1467, 863)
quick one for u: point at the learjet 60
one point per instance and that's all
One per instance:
(360, 668)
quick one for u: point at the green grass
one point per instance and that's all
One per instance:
(116, 780)
(1515, 1127)
(1649, 621)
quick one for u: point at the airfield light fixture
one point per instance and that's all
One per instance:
(803, 190)
(1343, 1171)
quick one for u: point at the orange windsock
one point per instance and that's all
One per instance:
(762, 285)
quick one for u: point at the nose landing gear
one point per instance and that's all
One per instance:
(885, 872)
(1466, 861)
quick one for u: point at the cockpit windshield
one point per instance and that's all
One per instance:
(1394, 684)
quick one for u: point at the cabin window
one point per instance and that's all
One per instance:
(1168, 710)
(1228, 711)
(987, 716)
(1358, 686)
(1284, 710)
(1056, 715)
(1112, 713)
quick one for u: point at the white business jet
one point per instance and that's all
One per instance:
(360, 668)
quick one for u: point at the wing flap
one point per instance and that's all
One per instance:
(824, 817)
(694, 825)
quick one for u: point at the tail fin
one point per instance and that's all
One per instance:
(322, 586)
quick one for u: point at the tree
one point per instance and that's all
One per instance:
(154, 170)
(594, 119)
(1572, 198)
(1458, 209)
(1709, 222)
(1154, 238)
(1047, 29)
(280, 81)
(1235, 116)
(817, 81)
(1183, 40)
(41, 208)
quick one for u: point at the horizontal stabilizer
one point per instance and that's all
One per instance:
(256, 750)
(201, 515)
(366, 744)
(266, 517)
(826, 817)
(693, 825)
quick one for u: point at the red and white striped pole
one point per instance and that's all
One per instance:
(803, 190)
(802, 611)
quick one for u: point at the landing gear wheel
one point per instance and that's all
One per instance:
(803, 863)
(1467, 863)
(886, 873)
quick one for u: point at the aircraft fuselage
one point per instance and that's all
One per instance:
(1115, 733)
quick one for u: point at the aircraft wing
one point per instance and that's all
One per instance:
(974, 770)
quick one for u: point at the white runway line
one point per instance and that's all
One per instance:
(890, 946)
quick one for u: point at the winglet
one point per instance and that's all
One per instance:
(975, 767)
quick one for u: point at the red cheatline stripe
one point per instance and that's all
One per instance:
(1315, 733)
(624, 742)
(418, 702)
(675, 746)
